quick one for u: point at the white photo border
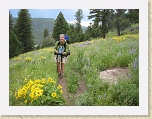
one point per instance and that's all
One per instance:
(142, 109)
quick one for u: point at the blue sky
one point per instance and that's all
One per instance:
(53, 13)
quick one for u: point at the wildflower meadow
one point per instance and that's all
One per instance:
(33, 79)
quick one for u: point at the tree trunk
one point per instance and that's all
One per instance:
(118, 30)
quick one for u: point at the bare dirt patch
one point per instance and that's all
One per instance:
(113, 74)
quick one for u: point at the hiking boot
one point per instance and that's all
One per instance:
(61, 76)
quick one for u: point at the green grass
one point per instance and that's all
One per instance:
(87, 59)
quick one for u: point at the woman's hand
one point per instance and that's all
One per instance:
(56, 52)
(63, 53)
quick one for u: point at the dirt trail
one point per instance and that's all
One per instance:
(69, 97)
(62, 82)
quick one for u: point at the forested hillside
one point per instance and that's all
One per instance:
(27, 34)
(39, 24)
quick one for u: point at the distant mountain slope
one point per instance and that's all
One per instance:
(39, 24)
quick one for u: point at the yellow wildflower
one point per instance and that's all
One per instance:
(31, 95)
(25, 80)
(43, 80)
(50, 79)
(59, 87)
(25, 101)
(61, 91)
(39, 92)
(54, 95)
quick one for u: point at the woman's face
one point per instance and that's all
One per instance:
(61, 38)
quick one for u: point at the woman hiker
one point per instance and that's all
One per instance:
(61, 51)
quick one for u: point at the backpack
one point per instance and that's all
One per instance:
(66, 37)
(64, 48)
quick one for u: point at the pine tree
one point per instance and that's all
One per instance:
(60, 26)
(10, 21)
(88, 32)
(14, 43)
(23, 29)
(104, 27)
(100, 18)
(78, 17)
(120, 22)
(95, 14)
(47, 40)
(133, 15)
(71, 34)
(78, 29)
(46, 33)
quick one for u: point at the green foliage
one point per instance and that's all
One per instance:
(84, 100)
(100, 16)
(71, 34)
(79, 37)
(112, 19)
(133, 15)
(88, 33)
(23, 30)
(14, 44)
(72, 83)
(46, 33)
(48, 41)
(78, 16)
(60, 26)
(110, 34)
(134, 69)
(10, 21)
(89, 58)
(124, 94)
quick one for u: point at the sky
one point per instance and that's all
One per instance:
(53, 13)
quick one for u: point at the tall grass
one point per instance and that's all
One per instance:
(87, 59)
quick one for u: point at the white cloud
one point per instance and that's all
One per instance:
(83, 23)
(71, 22)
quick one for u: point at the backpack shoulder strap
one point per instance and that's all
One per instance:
(58, 43)
(65, 44)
